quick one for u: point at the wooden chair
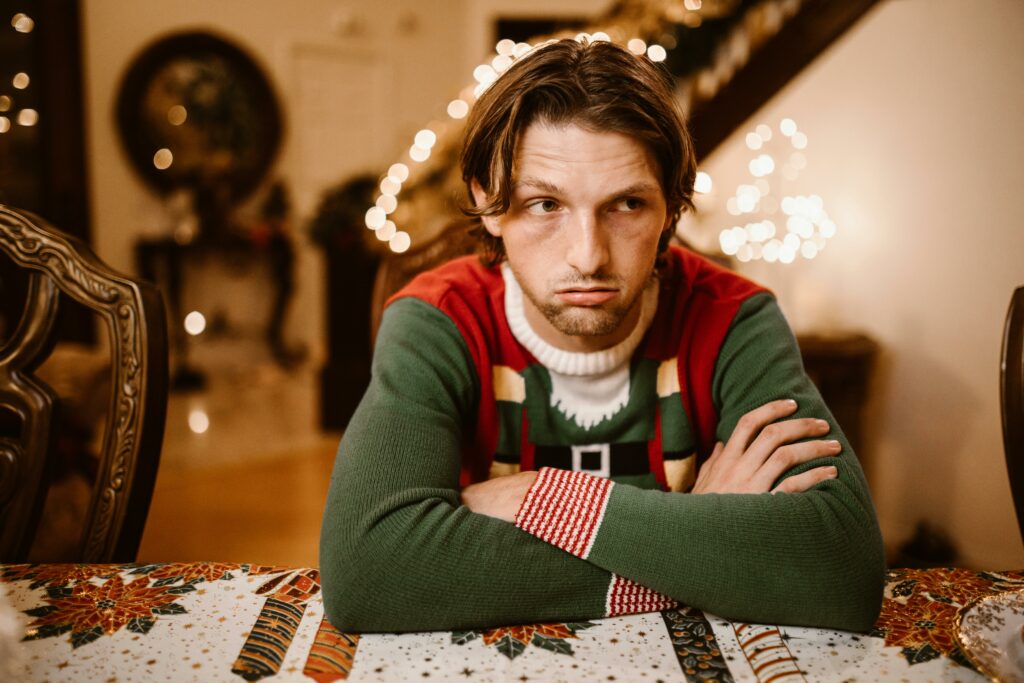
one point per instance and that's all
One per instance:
(1011, 396)
(134, 316)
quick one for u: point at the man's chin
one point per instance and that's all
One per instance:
(588, 322)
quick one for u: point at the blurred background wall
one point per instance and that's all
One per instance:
(914, 147)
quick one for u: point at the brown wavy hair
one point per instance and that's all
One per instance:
(598, 86)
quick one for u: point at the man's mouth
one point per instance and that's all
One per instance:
(586, 296)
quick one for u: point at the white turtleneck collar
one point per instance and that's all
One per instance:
(588, 387)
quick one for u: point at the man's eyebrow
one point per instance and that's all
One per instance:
(541, 184)
(537, 183)
(636, 188)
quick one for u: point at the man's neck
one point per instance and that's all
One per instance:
(571, 362)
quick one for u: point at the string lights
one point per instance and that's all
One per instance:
(198, 421)
(22, 23)
(759, 22)
(506, 52)
(777, 229)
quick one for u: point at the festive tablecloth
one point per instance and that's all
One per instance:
(225, 622)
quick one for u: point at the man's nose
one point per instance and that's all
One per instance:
(587, 251)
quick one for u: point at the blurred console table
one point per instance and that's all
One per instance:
(841, 366)
(164, 262)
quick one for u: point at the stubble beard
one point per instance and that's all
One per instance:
(585, 321)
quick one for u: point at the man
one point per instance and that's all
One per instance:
(590, 423)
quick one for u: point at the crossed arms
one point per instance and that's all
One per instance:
(402, 548)
(760, 451)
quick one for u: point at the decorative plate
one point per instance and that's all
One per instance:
(991, 634)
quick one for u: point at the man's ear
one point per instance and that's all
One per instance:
(669, 215)
(490, 223)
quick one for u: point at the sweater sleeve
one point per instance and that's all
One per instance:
(398, 551)
(813, 558)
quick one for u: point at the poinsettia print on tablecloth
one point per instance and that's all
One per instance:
(920, 609)
(89, 610)
(57, 574)
(187, 572)
(512, 641)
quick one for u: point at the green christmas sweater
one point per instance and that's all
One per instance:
(463, 389)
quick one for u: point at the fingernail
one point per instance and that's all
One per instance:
(822, 424)
(791, 403)
(834, 445)
(833, 472)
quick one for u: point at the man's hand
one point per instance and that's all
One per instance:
(761, 450)
(501, 497)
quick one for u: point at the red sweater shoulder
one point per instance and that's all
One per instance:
(473, 297)
(464, 277)
(695, 294)
(697, 304)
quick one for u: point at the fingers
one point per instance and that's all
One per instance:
(780, 434)
(719, 447)
(764, 446)
(753, 423)
(788, 457)
(799, 483)
(708, 470)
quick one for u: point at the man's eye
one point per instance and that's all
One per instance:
(628, 204)
(543, 207)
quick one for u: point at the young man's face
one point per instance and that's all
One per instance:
(581, 232)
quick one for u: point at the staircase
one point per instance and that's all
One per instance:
(729, 57)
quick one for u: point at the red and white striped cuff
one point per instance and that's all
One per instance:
(628, 597)
(565, 509)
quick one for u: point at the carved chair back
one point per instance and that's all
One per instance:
(134, 317)
(1011, 399)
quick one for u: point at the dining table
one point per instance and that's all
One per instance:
(207, 621)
